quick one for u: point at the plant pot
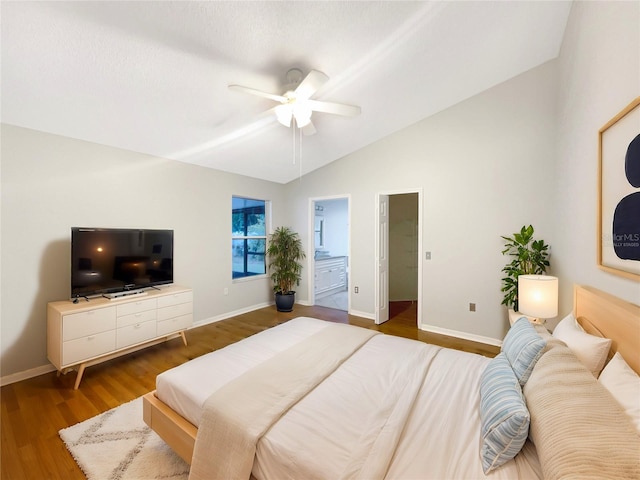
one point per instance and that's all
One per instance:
(285, 301)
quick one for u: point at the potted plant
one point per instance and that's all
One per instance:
(530, 257)
(284, 253)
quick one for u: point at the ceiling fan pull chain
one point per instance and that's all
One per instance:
(293, 124)
(300, 162)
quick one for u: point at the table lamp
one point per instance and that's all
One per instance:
(538, 296)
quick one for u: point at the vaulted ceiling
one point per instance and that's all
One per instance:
(153, 77)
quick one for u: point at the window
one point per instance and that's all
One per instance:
(249, 237)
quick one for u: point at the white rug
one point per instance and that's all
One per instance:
(118, 445)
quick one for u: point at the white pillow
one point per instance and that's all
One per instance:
(624, 384)
(592, 351)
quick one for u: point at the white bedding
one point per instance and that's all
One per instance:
(320, 436)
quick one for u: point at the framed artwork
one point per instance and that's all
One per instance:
(619, 194)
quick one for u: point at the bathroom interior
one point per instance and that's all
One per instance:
(331, 255)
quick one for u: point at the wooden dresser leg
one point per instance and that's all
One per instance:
(79, 376)
(184, 338)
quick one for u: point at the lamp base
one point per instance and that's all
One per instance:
(513, 316)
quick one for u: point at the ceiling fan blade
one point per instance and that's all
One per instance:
(310, 85)
(335, 108)
(259, 93)
(308, 129)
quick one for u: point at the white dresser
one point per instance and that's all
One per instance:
(86, 333)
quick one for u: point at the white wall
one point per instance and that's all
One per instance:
(599, 74)
(51, 183)
(485, 167)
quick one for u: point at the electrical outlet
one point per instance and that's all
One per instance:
(427, 255)
(225, 291)
(472, 307)
(355, 289)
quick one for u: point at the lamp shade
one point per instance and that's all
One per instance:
(538, 296)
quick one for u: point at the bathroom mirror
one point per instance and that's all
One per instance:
(319, 231)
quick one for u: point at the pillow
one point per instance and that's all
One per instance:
(592, 351)
(522, 346)
(576, 425)
(542, 331)
(624, 384)
(504, 415)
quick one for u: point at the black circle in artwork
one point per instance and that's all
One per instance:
(626, 228)
(632, 162)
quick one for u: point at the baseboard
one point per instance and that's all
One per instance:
(463, 335)
(226, 315)
(367, 315)
(33, 372)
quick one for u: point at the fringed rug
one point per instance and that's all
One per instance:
(118, 445)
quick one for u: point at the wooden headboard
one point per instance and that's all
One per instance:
(605, 315)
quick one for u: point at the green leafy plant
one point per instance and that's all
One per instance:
(285, 252)
(529, 257)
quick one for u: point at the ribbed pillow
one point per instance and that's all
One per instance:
(579, 430)
(523, 347)
(503, 412)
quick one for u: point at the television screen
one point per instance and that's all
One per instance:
(110, 260)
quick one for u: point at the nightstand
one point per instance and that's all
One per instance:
(513, 316)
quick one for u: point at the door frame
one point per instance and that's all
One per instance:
(311, 280)
(377, 253)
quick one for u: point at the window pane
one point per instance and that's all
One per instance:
(237, 224)
(248, 257)
(248, 218)
(255, 257)
(255, 223)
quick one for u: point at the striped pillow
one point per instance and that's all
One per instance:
(503, 412)
(523, 347)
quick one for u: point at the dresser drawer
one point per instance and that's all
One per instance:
(137, 333)
(175, 299)
(134, 318)
(77, 325)
(136, 307)
(79, 349)
(174, 311)
(175, 324)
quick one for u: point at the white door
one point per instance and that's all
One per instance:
(382, 264)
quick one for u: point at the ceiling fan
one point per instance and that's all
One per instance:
(296, 104)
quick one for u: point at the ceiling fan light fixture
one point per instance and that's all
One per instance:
(284, 114)
(296, 103)
(302, 114)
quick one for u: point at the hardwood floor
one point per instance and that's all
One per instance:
(34, 410)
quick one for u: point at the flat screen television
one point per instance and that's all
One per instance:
(112, 260)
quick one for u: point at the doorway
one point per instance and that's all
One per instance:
(329, 279)
(399, 263)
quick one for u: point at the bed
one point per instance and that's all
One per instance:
(389, 407)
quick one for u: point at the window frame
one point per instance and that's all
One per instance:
(247, 276)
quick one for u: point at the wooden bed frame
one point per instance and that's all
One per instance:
(598, 312)
(604, 315)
